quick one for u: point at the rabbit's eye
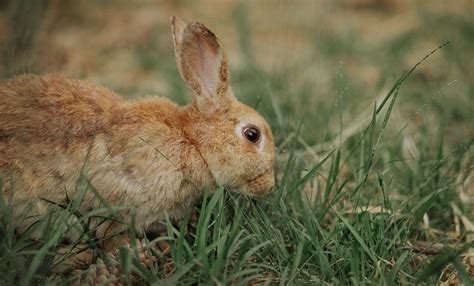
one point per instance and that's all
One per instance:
(252, 133)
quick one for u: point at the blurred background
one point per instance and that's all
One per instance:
(324, 61)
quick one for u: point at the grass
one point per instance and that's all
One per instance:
(382, 198)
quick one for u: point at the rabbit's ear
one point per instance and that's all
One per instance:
(202, 64)
(177, 27)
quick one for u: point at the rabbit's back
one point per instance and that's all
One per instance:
(54, 108)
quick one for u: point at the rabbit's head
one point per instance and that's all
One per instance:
(234, 140)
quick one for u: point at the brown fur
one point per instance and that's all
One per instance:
(151, 155)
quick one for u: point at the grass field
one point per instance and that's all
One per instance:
(371, 105)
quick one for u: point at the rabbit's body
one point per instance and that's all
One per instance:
(150, 155)
(135, 153)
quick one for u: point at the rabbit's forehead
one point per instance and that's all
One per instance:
(245, 115)
(254, 120)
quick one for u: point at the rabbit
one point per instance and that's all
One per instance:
(151, 155)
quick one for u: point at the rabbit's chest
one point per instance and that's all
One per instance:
(153, 178)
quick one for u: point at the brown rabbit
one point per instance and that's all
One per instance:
(151, 155)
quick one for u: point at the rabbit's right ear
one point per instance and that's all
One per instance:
(202, 64)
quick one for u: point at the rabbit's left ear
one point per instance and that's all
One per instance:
(202, 64)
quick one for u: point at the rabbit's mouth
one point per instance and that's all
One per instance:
(260, 185)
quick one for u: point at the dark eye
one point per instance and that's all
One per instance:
(252, 133)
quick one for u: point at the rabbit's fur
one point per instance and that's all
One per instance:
(152, 155)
